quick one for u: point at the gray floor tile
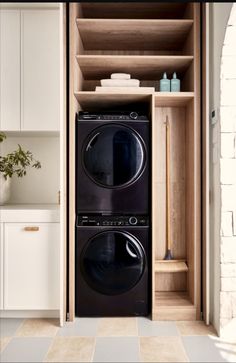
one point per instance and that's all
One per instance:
(8, 327)
(206, 349)
(80, 327)
(122, 349)
(26, 350)
(147, 327)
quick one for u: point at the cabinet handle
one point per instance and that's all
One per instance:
(31, 229)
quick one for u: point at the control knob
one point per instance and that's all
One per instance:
(133, 115)
(133, 221)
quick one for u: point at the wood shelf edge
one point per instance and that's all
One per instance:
(171, 266)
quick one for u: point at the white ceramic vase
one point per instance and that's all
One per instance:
(5, 189)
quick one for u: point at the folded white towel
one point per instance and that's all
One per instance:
(120, 82)
(120, 76)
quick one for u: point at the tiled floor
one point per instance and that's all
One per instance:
(111, 340)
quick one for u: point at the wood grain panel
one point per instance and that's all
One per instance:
(173, 306)
(131, 34)
(177, 176)
(171, 281)
(141, 67)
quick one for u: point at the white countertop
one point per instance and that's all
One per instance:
(9, 213)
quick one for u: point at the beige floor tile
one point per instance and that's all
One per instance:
(162, 349)
(71, 349)
(38, 328)
(3, 342)
(117, 327)
(195, 328)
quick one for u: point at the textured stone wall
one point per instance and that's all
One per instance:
(228, 182)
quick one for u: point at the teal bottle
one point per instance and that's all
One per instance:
(165, 84)
(175, 83)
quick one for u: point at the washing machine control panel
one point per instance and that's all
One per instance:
(111, 116)
(112, 221)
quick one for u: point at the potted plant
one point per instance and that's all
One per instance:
(14, 163)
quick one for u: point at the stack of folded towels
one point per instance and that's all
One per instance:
(119, 80)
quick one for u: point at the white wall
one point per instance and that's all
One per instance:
(38, 186)
(219, 14)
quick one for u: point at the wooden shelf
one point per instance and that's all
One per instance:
(96, 100)
(148, 10)
(142, 67)
(133, 34)
(173, 99)
(173, 306)
(170, 266)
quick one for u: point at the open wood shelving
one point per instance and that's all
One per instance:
(134, 34)
(140, 66)
(93, 100)
(145, 40)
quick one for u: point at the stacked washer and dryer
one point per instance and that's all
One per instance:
(113, 245)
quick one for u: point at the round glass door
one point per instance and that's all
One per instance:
(114, 156)
(112, 262)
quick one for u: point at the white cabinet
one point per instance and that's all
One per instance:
(31, 266)
(30, 70)
(40, 64)
(9, 70)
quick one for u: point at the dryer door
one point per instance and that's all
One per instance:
(114, 156)
(112, 262)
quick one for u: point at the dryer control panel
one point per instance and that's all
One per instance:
(112, 221)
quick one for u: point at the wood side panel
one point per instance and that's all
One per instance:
(197, 153)
(65, 166)
(190, 199)
(74, 84)
(205, 163)
(176, 117)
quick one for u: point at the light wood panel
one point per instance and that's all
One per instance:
(173, 306)
(146, 10)
(170, 281)
(205, 165)
(132, 34)
(167, 266)
(173, 99)
(75, 82)
(97, 100)
(141, 67)
(197, 153)
(176, 118)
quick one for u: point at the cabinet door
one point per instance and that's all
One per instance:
(10, 70)
(40, 86)
(31, 266)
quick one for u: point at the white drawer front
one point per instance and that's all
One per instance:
(31, 266)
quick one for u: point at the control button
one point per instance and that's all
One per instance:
(133, 115)
(133, 221)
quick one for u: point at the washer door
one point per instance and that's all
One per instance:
(112, 262)
(114, 156)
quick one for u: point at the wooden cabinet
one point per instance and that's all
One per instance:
(31, 266)
(10, 70)
(169, 42)
(40, 87)
(30, 70)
